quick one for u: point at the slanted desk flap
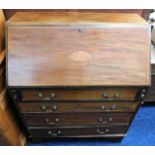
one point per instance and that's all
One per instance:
(85, 51)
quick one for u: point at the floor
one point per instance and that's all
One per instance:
(141, 133)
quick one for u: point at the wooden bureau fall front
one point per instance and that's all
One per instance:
(77, 74)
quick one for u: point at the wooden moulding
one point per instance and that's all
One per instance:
(52, 18)
(142, 12)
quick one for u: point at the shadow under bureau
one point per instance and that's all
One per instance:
(77, 74)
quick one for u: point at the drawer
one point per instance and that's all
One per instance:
(76, 119)
(77, 107)
(77, 132)
(93, 94)
(150, 96)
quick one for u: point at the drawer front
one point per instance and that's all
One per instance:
(150, 96)
(77, 132)
(104, 94)
(76, 107)
(76, 119)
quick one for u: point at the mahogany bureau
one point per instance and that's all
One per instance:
(77, 74)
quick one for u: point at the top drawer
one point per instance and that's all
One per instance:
(83, 94)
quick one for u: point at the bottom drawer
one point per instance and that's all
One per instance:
(77, 132)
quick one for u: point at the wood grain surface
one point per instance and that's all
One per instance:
(91, 94)
(61, 67)
(78, 107)
(142, 12)
(78, 132)
(78, 55)
(32, 18)
(72, 120)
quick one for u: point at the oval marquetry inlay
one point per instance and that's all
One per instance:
(80, 56)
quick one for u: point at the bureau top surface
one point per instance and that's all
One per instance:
(33, 18)
(71, 55)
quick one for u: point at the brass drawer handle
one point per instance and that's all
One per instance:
(100, 119)
(106, 130)
(113, 107)
(116, 95)
(103, 107)
(44, 107)
(55, 107)
(52, 95)
(54, 134)
(40, 94)
(45, 98)
(110, 119)
(142, 95)
(105, 95)
(102, 132)
(52, 123)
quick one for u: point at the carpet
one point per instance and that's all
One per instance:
(141, 133)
